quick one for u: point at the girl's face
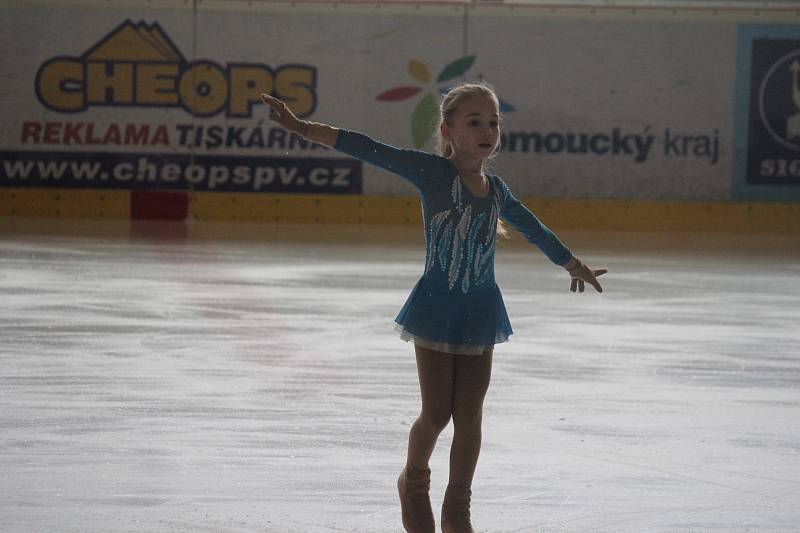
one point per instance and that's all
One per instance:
(475, 128)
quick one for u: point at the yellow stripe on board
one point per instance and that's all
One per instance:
(732, 217)
(558, 214)
(56, 203)
(624, 215)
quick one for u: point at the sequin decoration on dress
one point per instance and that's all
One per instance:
(456, 193)
(453, 240)
(433, 237)
(470, 245)
(444, 245)
(481, 266)
(457, 256)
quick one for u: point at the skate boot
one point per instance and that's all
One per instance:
(455, 510)
(415, 503)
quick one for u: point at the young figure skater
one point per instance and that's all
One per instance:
(455, 314)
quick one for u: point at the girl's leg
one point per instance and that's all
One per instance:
(436, 374)
(436, 386)
(472, 374)
(471, 381)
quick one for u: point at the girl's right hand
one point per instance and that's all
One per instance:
(281, 114)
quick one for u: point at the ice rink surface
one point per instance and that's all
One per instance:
(249, 379)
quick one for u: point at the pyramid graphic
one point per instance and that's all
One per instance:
(135, 42)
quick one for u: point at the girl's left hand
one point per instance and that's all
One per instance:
(582, 274)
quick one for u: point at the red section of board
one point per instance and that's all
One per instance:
(159, 205)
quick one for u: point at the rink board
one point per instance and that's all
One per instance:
(588, 214)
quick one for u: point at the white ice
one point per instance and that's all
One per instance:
(248, 379)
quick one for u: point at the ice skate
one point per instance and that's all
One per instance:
(455, 510)
(414, 486)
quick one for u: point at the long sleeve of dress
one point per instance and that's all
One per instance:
(414, 165)
(521, 219)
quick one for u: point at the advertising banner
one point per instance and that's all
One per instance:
(161, 99)
(146, 97)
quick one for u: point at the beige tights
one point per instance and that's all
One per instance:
(451, 386)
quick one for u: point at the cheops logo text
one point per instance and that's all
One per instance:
(139, 65)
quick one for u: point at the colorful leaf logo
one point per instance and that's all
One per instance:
(422, 120)
(456, 68)
(419, 70)
(398, 93)
(425, 114)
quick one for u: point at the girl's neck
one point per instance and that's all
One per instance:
(470, 167)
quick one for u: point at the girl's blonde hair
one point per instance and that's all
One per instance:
(446, 111)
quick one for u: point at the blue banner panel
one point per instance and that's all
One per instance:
(180, 172)
(767, 134)
(774, 140)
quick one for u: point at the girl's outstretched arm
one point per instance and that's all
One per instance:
(520, 217)
(414, 165)
(313, 131)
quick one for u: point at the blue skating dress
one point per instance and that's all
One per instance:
(456, 306)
